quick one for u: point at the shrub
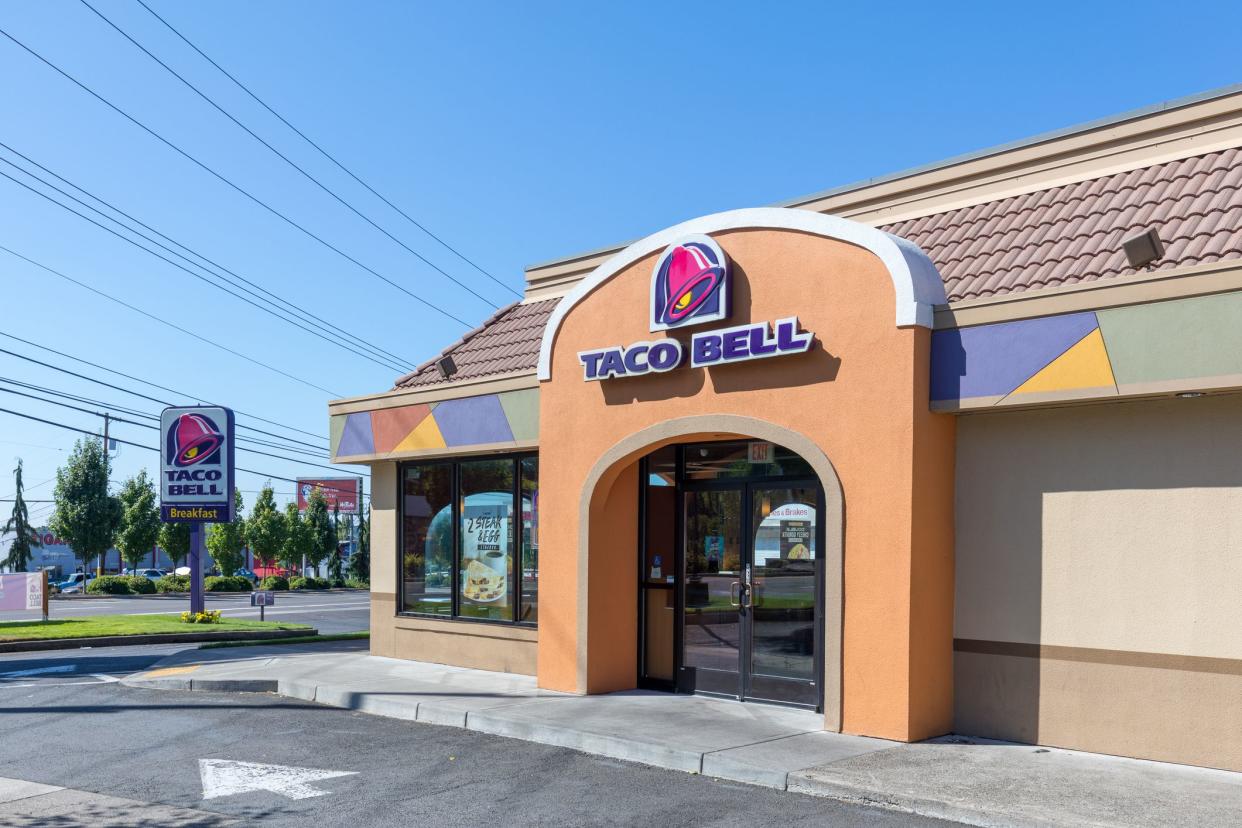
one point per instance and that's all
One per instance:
(109, 585)
(274, 582)
(354, 583)
(173, 583)
(208, 617)
(308, 582)
(141, 585)
(227, 583)
(337, 583)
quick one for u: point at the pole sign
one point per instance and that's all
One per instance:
(196, 465)
(690, 286)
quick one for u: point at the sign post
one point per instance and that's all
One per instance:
(45, 595)
(196, 477)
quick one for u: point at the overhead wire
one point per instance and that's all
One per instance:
(288, 160)
(127, 442)
(330, 339)
(175, 327)
(324, 152)
(302, 312)
(430, 305)
(150, 384)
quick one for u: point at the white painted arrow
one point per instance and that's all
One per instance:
(225, 777)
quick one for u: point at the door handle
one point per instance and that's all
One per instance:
(735, 594)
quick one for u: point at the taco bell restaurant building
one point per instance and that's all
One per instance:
(954, 450)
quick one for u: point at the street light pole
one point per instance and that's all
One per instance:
(107, 472)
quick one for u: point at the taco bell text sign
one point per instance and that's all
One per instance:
(196, 465)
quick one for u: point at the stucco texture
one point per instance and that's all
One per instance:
(861, 395)
(1104, 540)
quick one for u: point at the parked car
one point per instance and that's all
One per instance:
(150, 574)
(75, 582)
(247, 574)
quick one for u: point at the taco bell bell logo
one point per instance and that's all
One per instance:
(690, 284)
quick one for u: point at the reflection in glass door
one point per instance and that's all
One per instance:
(713, 591)
(785, 578)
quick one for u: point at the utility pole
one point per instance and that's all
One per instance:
(107, 474)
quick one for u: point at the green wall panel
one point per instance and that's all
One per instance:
(1185, 338)
(522, 411)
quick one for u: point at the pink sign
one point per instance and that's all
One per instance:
(23, 591)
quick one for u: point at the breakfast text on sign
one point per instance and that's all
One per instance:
(727, 345)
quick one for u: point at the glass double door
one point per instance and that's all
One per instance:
(751, 591)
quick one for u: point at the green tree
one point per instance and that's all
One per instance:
(227, 541)
(265, 528)
(175, 541)
(298, 539)
(86, 516)
(140, 519)
(25, 536)
(322, 534)
(360, 561)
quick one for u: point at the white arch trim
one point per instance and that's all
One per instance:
(916, 281)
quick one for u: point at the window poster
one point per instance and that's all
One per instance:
(786, 534)
(486, 544)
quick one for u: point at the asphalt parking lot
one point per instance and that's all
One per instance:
(127, 756)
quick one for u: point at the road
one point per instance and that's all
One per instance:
(64, 721)
(329, 612)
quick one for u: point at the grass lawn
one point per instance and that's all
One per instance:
(126, 625)
(301, 639)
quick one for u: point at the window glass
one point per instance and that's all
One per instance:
(485, 568)
(660, 537)
(529, 607)
(717, 461)
(427, 539)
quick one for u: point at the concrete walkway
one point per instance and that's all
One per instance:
(972, 781)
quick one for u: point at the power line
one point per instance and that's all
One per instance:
(307, 315)
(201, 278)
(155, 318)
(157, 428)
(289, 161)
(225, 180)
(149, 384)
(138, 413)
(126, 442)
(326, 154)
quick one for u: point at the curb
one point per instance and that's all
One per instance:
(149, 638)
(919, 806)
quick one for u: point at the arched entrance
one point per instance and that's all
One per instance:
(745, 599)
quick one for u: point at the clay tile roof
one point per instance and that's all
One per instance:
(505, 344)
(1059, 236)
(1073, 233)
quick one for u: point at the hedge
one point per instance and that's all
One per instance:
(274, 582)
(299, 582)
(141, 585)
(173, 583)
(109, 585)
(227, 583)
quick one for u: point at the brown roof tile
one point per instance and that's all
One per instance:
(1059, 236)
(1072, 234)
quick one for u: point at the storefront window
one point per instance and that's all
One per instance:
(464, 526)
(530, 540)
(485, 582)
(717, 461)
(427, 539)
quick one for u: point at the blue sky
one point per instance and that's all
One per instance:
(517, 132)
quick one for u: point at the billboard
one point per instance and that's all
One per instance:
(196, 465)
(344, 493)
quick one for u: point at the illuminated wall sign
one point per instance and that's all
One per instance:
(720, 347)
(690, 286)
(196, 466)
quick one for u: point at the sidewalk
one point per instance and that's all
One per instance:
(972, 781)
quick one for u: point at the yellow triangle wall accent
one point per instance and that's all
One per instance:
(425, 436)
(1084, 365)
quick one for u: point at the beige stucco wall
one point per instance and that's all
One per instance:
(1099, 578)
(461, 643)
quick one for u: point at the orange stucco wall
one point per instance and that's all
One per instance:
(860, 394)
